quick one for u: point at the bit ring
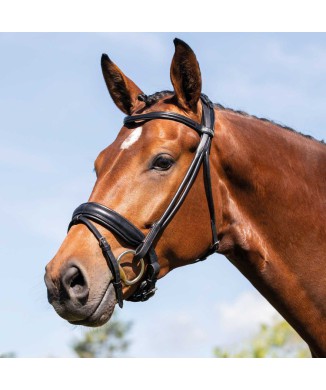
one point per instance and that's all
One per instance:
(123, 276)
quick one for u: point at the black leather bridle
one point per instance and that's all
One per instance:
(90, 212)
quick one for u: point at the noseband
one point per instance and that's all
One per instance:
(90, 212)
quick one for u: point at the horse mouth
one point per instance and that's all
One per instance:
(103, 311)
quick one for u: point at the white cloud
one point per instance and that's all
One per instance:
(170, 334)
(185, 330)
(195, 331)
(240, 318)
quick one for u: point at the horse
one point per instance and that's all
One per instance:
(186, 178)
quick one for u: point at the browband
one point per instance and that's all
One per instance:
(171, 116)
(129, 233)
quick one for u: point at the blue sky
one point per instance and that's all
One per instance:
(56, 116)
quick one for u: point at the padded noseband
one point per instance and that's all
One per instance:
(90, 212)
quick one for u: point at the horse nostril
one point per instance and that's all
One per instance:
(75, 284)
(51, 288)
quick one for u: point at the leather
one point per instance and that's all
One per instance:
(130, 234)
(170, 116)
(106, 249)
(111, 220)
(208, 120)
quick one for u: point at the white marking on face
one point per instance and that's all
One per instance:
(132, 138)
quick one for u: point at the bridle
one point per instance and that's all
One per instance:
(90, 212)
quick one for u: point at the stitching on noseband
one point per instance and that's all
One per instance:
(129, 233)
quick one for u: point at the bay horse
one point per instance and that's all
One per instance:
(186, 178)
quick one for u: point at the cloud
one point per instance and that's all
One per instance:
(195, 330)
(242, 317)
(185, 330)
(171, 334)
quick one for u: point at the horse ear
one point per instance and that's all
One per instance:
(185, 76)
(123, 91)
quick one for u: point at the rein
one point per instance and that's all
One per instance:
(129, 233)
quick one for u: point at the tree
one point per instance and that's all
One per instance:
(276, 340)
(8, 355)
(105, 342)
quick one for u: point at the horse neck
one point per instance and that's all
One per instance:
(272, 189)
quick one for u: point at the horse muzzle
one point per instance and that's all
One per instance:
(77, 297)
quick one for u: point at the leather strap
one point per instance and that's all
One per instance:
(170, 116)
(130, 234)
(107, 253)
(111, 220)
(208, 120)
(201, 156)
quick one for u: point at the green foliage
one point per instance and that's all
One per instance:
(277, 340)
(8, 355)
(108, 341)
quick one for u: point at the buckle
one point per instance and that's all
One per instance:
(207, 130)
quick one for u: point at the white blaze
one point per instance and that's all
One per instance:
(132, 138)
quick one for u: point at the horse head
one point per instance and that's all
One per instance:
(156, 158)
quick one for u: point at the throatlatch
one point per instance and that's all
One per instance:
(129, 233)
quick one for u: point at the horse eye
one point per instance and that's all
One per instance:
(162, 163)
